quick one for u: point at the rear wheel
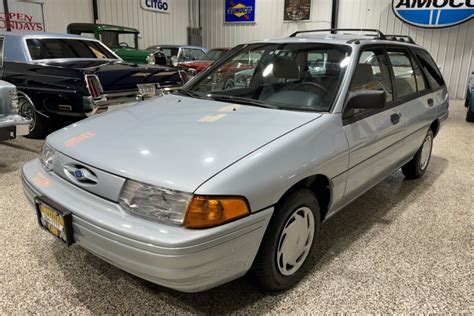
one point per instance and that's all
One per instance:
(289, 242)
(470, 107)
(39, 124)
(470, 116)
(416, 167)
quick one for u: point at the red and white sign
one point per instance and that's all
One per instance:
(23, 16)
(20, 22)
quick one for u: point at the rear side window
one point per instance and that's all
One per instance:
(372, 74)
(405, 81)
(420, 80)
(432, 73)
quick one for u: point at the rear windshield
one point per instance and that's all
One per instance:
(55, 48)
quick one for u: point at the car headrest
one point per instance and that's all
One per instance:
(332, 69)
(363, 74)
(286, 69)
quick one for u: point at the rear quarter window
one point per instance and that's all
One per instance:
(430, 69)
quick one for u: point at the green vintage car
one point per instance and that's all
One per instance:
(122, 40)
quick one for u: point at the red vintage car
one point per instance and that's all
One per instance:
(196, 66)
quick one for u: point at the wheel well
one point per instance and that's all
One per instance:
(320, 186)
(435, 127)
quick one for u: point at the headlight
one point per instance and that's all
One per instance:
(151, 59)
(47, 156)
(15, 106)
(154, 202)
(180, 208)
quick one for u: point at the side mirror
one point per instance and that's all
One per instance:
(366, 99)
(139, 36)
(174, 61)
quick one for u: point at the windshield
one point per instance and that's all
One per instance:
(56, 48)
(214, 54)
(169, 52)
(115, 39)
(287, 76)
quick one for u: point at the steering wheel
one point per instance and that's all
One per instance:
(123, 45)
(313, 85)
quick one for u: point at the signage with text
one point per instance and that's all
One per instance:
(162, 6)
(433, 13)
(20, 22)
(239, 11)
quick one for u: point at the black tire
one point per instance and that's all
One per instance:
(265, 268)
(468, 99)
(469, 115)
(416, 168)
(39, 127)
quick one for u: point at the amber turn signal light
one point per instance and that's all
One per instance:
(209, 211)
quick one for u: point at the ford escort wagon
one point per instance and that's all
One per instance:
(194, 189)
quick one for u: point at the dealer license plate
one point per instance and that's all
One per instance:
(147, 89)
(58, 223)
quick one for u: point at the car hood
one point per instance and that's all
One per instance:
(172, 141)
(197, 63)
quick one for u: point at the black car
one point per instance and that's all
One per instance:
(61, 76)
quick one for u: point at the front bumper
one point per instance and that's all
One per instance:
(12, 126)
(175, 257)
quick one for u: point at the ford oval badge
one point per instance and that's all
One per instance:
(433, 13)
(79, 174)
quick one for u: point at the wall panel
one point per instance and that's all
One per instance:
(155, 27)
(59, 13)
(452, 48)
(269, 22)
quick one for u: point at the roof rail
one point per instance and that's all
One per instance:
(400, 38)
(333, 31)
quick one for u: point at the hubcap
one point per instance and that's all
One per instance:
(28, 112)
(426, 152)
(295, 241)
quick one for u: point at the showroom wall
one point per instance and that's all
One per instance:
(452, 48)
(269, 22)
(156, 28)
(59, 13)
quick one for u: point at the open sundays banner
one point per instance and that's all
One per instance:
(23, 16)
(239, 11)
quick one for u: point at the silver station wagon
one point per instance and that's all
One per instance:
(194, 189)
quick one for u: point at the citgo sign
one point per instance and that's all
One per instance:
(156, 5)
(433, 13)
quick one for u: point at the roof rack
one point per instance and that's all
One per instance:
(400, 38)
(333, 31)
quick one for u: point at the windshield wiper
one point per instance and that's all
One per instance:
(190, 93)
(240, 100)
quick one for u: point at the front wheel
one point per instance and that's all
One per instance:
(39, 124)
(416, 167)
(289, 242)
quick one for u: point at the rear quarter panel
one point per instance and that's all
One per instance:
(47, 86)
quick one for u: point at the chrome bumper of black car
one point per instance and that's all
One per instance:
(112, 99)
